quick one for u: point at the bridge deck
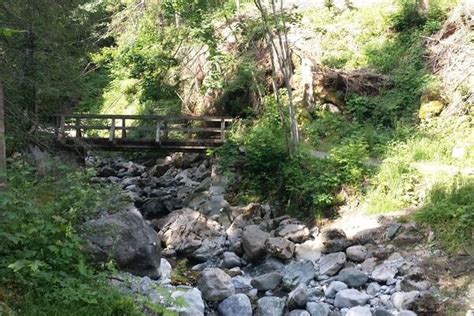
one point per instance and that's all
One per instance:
(125, 132)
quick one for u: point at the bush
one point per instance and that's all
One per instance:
(41, 260)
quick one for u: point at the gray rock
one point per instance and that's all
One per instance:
(299, 312)
(333, 288)
(192, 234)
(194, 305)
(309, 250)
(357, 253)
(331, 264)
(267, 281)
(383, 273)
(230, 260)
(405, 300)
(238, 304)
(350, 298)
(253, 242)
(242, 284)
(391, 230)
(127, 239)
(318, 309)
(368, 265)
(270, 306)
(165, 271)
(406, 313)
(280, 247)
(293, 230)
(336, 245)
(359, 311)
(373, 288)
(215, 284)
(382, 312)
(298, 297)
(352, 277)
(301, 271)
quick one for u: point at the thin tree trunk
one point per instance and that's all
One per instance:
(3, 149)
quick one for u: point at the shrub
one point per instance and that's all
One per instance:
(41, 258)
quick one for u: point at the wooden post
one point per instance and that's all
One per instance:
(124, 129)
(158, 132)
(62, 123)
(112, 131)
(165, 130)
(3, 148)
(222, 130)
(78, 128)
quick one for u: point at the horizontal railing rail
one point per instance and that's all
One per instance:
(146, 128)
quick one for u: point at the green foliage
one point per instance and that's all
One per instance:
(449, 212)
(41, 258)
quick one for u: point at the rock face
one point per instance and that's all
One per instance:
(271, 306)
(127, 239)
(215, 284)
(253, 242)
(331, 264)
(238, 304)
(191, 234)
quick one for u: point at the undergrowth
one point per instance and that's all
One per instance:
(43, 269)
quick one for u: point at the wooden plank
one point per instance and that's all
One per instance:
(112, 131)
(158, 132)
(124, 129)
(62, 123)
(78, 129)
(222, 130)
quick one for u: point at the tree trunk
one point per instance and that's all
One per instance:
(3, 149)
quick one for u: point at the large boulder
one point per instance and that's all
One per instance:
(215, 284)
(191, 234)
(238, 304)
(253, 242)
(127, 239)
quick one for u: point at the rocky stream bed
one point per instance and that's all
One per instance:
(248, 260)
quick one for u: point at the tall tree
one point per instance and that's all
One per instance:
(43, 59)
(276, 28)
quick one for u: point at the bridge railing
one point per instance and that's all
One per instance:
(146, 128)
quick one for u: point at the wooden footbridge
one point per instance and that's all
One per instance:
(125, 132)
